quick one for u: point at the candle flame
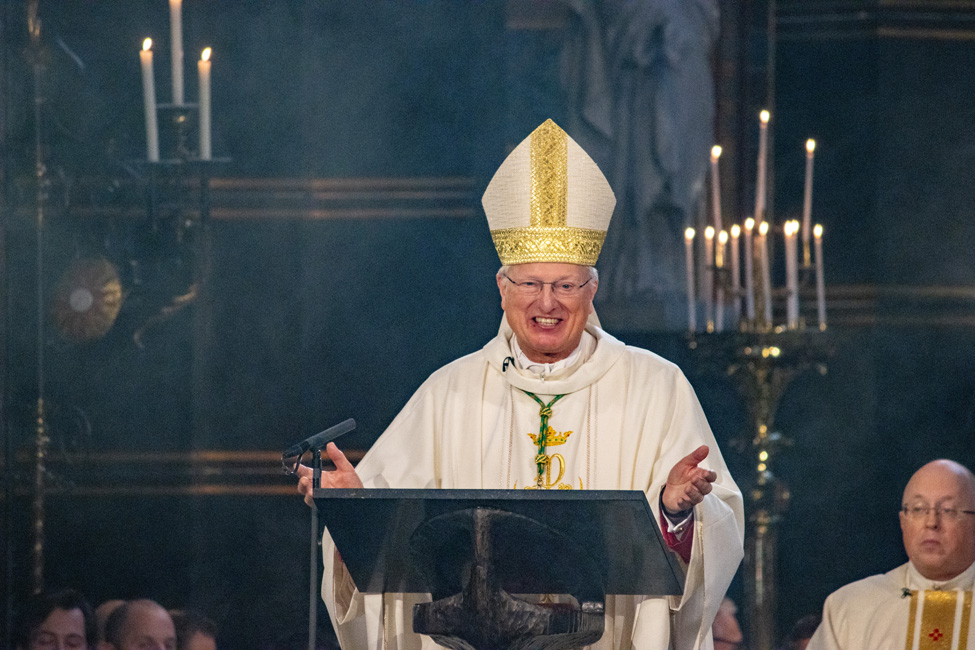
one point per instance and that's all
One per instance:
(764, 116)
(723, 237)
(205, 56)
(810, 145)
(715, 152)
(791, 228)
(818, 231)
(689, 234)
(749, 223)
(735, 231)
(709, 232)
(147, 45)
(763, 228)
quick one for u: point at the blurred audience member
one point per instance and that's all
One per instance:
(60, 619)
(140, 625)
(798, 637)
(194, 631)
(102, 612)
(725, 629)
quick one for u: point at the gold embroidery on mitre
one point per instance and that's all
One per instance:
(549, 175)
(538, 244)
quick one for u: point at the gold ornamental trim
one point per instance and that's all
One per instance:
(545, 244)
(549, 175)
(944, 619)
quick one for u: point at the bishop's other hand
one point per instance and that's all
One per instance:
(687, 484)
(343, 476)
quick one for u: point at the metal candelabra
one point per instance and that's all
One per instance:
(762, 363)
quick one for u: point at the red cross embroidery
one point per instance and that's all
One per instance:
(936, 635)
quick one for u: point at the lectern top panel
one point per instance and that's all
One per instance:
(372, 530)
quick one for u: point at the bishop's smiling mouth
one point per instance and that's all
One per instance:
(541, 320)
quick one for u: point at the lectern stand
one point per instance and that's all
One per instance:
(474, 550)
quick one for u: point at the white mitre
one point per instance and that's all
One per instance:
(548, 202)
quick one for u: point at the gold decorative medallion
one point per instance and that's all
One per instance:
(550, 439)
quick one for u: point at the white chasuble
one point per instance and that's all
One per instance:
(899, 610)
(626, 417)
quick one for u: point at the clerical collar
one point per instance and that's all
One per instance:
(560, 369)
(963, 580)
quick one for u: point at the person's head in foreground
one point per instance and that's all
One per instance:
(725, 629)
(194, 631)
(140, 625)
(60, 620)
(938, 519)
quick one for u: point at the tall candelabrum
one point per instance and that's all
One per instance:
(758, 335)
(762, 364)
(182, 156)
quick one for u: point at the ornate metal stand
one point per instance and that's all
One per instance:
(762, 365)
(483, 616)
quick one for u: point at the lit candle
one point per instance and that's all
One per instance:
(203, 66)
(820, 281)
(719, 264)
(766, 276)
(149, 96)
(709, 278)
(807, 202)
(689, 250)
(176, 40)
(735, 276)
(791, 230)
(715, 187)
(762, 164)
(749, 269)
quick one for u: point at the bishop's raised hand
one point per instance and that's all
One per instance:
(688, 484)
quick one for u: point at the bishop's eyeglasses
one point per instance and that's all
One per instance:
(561, 288)
(918, 511)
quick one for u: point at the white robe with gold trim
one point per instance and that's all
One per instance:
(632, 416)
(872, 614)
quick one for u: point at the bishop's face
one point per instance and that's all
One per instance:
(940, 547)
(549, 326)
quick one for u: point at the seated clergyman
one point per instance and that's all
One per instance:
(926, 603)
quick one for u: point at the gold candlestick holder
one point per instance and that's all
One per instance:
(762, 364)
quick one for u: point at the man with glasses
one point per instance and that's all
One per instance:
(554, 402)
(926, 603)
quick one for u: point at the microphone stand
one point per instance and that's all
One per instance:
(313, 586)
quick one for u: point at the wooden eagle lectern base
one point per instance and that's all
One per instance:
(483, 616)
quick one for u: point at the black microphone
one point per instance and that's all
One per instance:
(319, 440)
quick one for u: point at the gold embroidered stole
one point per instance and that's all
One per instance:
(939, 620)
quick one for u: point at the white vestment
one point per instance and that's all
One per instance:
(632, 415)
(873, 613)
